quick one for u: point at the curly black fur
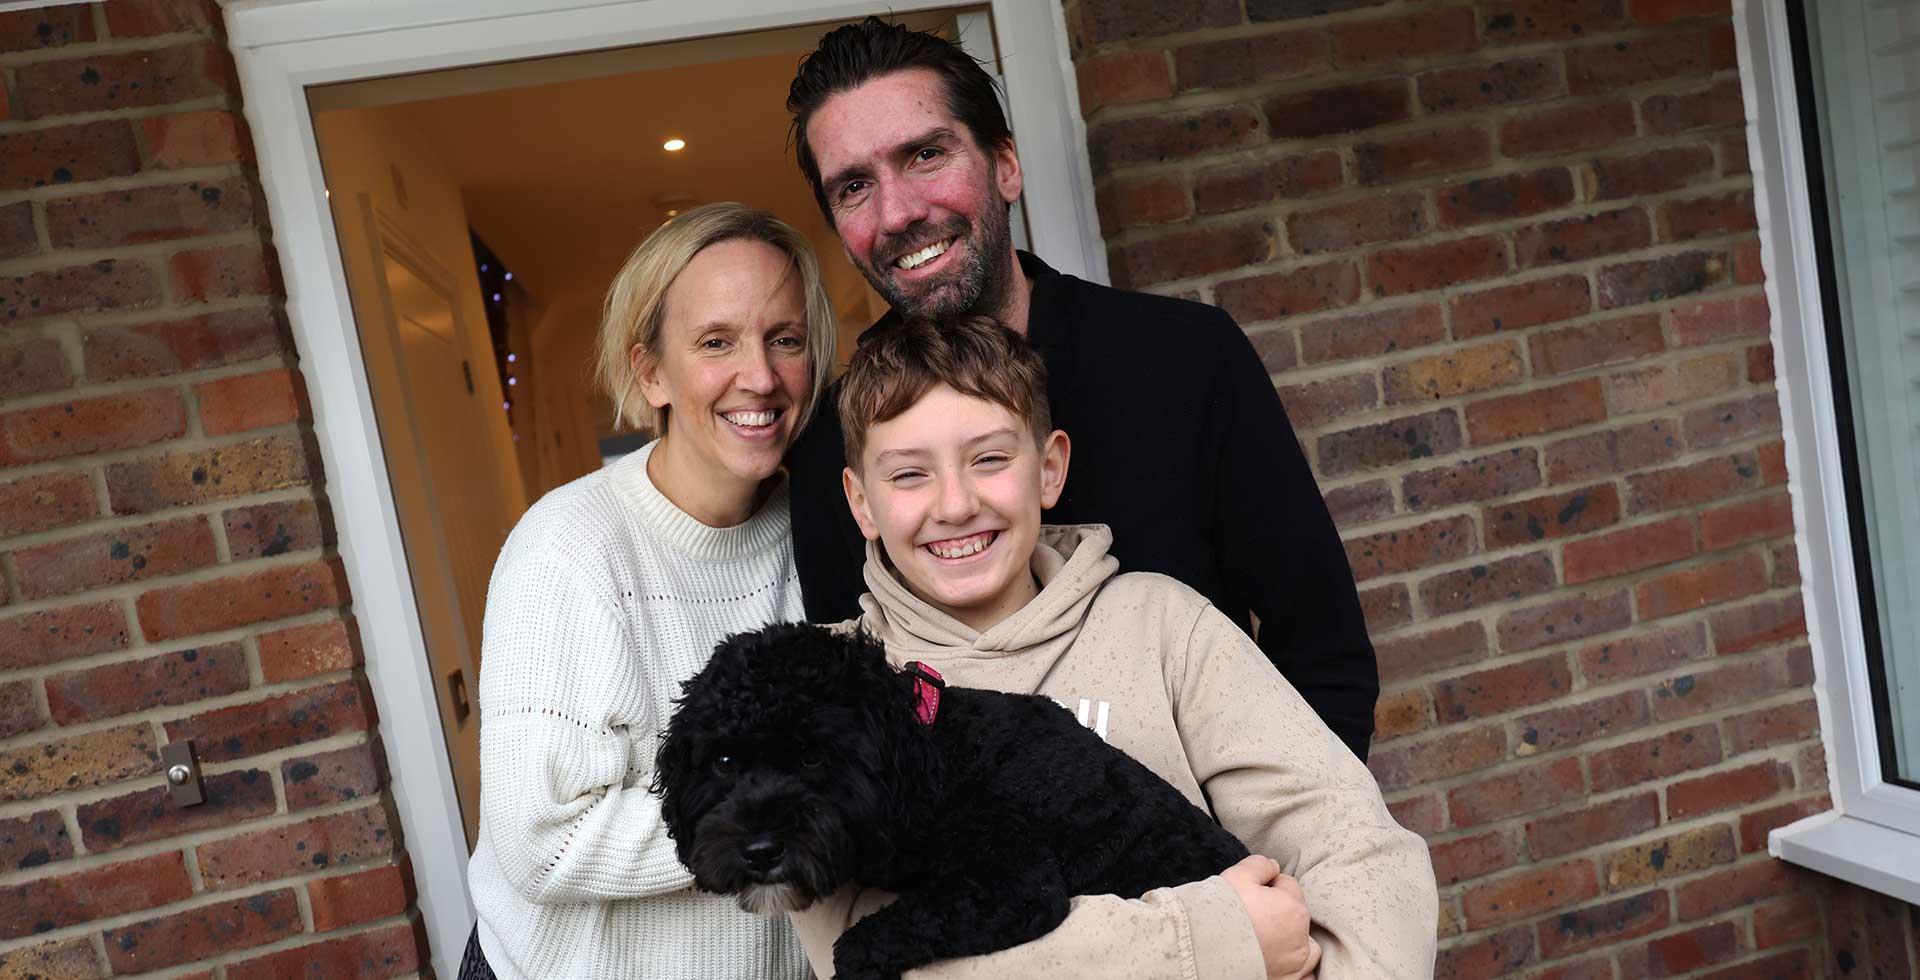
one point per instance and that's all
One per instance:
(795, 764)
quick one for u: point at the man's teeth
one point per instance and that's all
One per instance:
(750, 418)
(923, 256)
(961, 547)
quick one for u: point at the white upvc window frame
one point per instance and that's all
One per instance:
(283, 46)
(1871, 837)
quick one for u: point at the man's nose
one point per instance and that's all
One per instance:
(901, 206)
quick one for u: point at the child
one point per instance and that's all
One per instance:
(950, 460)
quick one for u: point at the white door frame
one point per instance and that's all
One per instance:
(283, 46)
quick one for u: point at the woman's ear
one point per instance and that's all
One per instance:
(646, 376)
(1054, 454)
(857, 502)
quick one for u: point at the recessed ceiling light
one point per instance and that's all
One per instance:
(674, 145)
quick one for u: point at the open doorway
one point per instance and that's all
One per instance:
(298, 63)
(481, 213)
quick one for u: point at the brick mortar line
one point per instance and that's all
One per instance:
(69, 801)
(147, 177)
(87, 320)
(1376, 366)
(160, 715)
(1476, 506)
(128, 655)
(107, 522)
(59, 259)
(1667, 412)
(186, 381)
(1404, 521)
(1583, 751)
(1278, 212)
(99, 927)
(1253, 94)
(407, 916)
(1485, 54)
(1739, 915)
(1590, 690)
(1498, 165)
(1621, 581)
(105, 44)
(1293, 263)
(139, 587)
(133, 454)
(1590, 799)
(194, 838)
(1250, 28)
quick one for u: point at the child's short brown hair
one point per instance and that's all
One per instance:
(896, 364)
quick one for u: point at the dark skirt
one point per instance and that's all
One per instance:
(473, 964)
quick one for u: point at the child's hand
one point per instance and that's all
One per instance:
(1279, 913)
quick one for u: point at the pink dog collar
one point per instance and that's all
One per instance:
(926, 691)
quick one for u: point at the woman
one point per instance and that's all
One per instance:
(614, 588)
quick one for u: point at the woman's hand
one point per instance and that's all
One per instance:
(1279, 913)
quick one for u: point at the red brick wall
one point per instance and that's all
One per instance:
(168, 563)
(1501, 259)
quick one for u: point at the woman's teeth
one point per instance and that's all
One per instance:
(751, 419)
(915, 259)
(962, 547)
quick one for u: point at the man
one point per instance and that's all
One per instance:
(901, 136)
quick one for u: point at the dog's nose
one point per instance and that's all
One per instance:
(762, 853)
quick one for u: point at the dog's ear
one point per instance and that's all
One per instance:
(904, 749)
(672, 766)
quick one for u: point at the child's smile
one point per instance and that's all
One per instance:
(952, 488)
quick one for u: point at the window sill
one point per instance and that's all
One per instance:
(1851, 849)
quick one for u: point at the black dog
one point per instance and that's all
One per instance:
(798, 761)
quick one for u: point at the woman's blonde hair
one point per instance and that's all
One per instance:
(637, 302)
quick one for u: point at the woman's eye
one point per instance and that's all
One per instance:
(791, 342)
(723, 765)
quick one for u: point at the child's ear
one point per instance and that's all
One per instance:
(1053, 467)
(646, 376)
(857, 502)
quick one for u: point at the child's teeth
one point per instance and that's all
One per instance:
(972, 546)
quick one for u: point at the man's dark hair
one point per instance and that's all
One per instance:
(850, 56)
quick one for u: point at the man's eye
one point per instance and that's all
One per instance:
(713, 343)
(927, 153)
(851, 188)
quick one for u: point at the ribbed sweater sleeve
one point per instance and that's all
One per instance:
(563, 688)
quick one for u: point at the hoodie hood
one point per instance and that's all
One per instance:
(1070, 562)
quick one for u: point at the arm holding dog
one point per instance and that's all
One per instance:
(560, 690)
(1196, 929)
(1286, 786)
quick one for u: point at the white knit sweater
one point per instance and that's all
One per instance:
(605, 597)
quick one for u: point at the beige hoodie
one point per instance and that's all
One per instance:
(1162, 675)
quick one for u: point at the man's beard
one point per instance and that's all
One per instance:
(977, 285)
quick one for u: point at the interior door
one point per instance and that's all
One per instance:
(454, 515)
